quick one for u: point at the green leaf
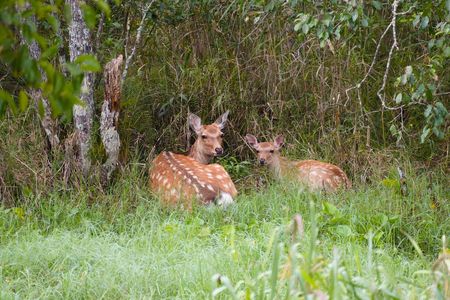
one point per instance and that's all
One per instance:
(404, 79)
(447, 51)
(50, 52)
(408, 70)
(354, 15)
(438, 133)
(53, 21)
(364, 22)
(424, 135)
(23, 101)
(6, 97)
(330, 209)
(376, 5)
(394, 131)
(428, 111)
(416, 20)
(89, 15)
(424, 22)
(104, 7)
(305, 28)
(326, 20)
(7, 100)
(337, 32)
(441, 108)
(343, 231)
(88, 63)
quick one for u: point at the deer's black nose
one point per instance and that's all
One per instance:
(219, 151)
(262, 161)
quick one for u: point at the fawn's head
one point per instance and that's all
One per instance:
(209, 137)
(267, 152)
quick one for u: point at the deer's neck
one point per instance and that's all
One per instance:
(198, 155)
(279, 166)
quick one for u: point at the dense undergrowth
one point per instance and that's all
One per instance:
(367, 243)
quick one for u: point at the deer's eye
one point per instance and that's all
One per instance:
(271, 151)
(204, 136)
(257, 151)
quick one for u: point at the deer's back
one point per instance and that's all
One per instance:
(321, 176)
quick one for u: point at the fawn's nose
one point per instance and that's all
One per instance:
(219, 151)
(262, 161)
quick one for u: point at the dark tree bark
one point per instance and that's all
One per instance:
(80, 43)
(110, 116)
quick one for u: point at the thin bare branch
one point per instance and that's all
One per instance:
(138, 39)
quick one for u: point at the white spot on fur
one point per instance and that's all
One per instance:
(219, 177)
(196, 189)
(210, 187)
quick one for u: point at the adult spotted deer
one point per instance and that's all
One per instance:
(179, 178)
(314, 174)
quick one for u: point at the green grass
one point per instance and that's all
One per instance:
(367, 243)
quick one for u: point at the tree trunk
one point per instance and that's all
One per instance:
(110, 116)
(49, 125)
(79, 43)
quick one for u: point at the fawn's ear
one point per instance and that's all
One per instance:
(251, 140)
(222, 120)
(278, 142)
(195, 122)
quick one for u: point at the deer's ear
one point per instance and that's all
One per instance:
(278, 142)
(195, 122)
(222, 120)
(251, 140)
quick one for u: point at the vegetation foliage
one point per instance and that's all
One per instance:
(362, 84)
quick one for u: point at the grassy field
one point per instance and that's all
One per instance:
(368, 243)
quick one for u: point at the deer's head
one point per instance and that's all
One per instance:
(267, 152)
(209, 137)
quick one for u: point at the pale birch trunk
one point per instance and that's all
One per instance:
(110, 117)
(79, 43)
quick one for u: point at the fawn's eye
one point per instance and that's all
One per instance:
(204, 136)
(271, 151)
(257, 151)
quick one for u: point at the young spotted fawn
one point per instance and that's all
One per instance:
(314, 174)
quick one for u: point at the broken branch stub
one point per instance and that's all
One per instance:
(110, 116)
